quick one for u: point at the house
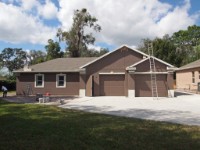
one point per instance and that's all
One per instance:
(188, 76)
(122, 72)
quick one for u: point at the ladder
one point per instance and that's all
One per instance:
(154, 88)
(28, 90)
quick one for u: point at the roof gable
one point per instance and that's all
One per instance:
(105, 55)
(159, 60)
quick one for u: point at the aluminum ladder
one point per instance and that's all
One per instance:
(154, 88)
(28, 90)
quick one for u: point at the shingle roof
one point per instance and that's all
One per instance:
(60, 65)
(194, 64)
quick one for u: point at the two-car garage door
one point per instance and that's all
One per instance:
(112, 85)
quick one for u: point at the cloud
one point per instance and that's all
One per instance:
(48, 11)
(94, 47)
(128, 21)
(18, 26)
(122, 22)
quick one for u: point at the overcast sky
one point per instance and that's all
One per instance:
(28, 24)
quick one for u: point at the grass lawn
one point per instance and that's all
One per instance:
(38, 127)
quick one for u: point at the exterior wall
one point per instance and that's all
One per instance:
(184, 79)
(72, 84)
(113, 63)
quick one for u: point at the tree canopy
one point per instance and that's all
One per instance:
(53, 50)
(77, 38)
(37, 56)
(179, 49)
(12, 58)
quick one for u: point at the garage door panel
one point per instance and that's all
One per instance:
(143, 85)
(112, 85)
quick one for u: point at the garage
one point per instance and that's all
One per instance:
(112, 85)
(143, 85)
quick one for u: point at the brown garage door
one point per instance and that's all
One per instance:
(112, 85)
(143, 85)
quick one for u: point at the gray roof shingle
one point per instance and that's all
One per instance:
(60, 65)
(194, 64)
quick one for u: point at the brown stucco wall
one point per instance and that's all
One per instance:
(145, 66)
(72, 84)
(184, 79)
(115, 62)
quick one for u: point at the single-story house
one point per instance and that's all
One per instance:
(122, 72)
(188, 76)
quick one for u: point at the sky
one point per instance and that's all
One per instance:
(28, 24)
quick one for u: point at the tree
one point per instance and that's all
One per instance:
(163, 49)
(94, 52)
(37, 56)
(187, 43)
(13, 58)
(181, 48)
(76, 38)
(53, 50)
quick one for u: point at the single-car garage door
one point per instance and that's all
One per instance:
(112, 85)
(143, 85)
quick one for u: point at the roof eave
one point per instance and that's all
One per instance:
(47, 71)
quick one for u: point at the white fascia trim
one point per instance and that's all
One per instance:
(112, 52)
(162, 61)
(137, 63)
(151, 73)
(111, 73)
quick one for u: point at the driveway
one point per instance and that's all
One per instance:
(183, 109)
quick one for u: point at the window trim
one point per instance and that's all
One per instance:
(36, 75)
(57, 78)
(199, 74)
(193, 77)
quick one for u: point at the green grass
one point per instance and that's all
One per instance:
(38, 127)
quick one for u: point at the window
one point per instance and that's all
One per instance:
(60, 80)
(39, 80)
(199, 74)
(193, 77)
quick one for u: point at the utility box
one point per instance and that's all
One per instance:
(198, 86)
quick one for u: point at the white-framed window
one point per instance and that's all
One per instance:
(39, 80)
(61, 80)
(193, 77)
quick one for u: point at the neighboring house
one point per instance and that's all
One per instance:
(188, 76)
(122, 72)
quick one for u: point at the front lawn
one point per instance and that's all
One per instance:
(38, 127)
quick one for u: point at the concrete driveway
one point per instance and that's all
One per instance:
(182, 109)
